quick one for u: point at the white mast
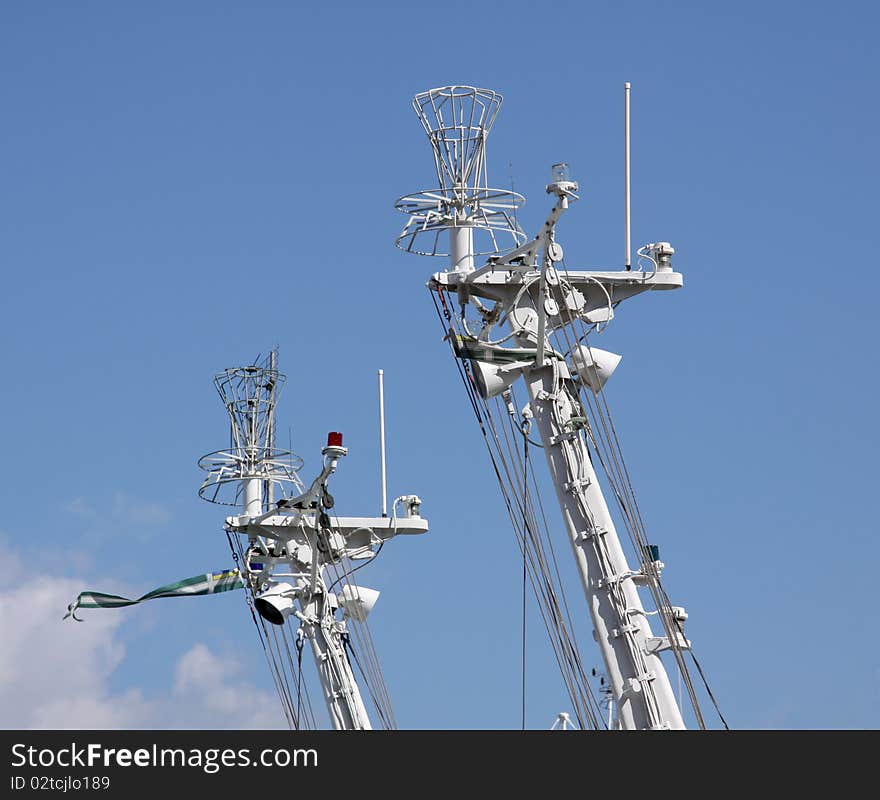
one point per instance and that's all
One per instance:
(296, 553)
(530, 295)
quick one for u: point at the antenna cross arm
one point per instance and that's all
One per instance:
(280, 526)
(624, 278)
(598, 286)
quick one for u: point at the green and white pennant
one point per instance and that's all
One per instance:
(209, 583)
(468, 347)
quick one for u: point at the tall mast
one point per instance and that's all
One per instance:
(525, 290)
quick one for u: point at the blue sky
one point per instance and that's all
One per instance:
(185, 185)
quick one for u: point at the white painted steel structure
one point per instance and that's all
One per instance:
(521, 296)
(296, 551)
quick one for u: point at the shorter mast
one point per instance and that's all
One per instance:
(296, 553)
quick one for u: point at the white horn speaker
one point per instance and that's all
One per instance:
(357, 601)
(493, 379)
(276, 603)
(594, 365)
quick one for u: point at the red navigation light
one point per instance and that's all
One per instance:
(334, 439)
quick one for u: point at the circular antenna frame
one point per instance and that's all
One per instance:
(228, 468)
(491, 213)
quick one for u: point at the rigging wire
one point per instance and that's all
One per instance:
(296, 673)
(298, 718)
(299, 656)
(625, 496)
(340, 570)
(276, 677)
(575, 676)
(563, 612)
(615, 469)
(599, 427)
(347, 574)
(351, 653)
(524, 571)
(286, 705)
(502, 455)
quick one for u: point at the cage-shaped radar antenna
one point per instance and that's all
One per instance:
(251, 470)
(480, 220)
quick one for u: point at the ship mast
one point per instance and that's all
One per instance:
(297, 555)
(519, 297)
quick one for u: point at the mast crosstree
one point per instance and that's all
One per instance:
(524, 319)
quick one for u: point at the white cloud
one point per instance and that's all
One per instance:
(216, 697)
(56, 674)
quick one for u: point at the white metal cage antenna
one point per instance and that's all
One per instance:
(247, 472)
(480, 220)
(457, 120)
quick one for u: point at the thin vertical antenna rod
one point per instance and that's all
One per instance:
(628, 248)
(269, 487)
(382, 441)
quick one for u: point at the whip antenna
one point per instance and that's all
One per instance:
(627, 247)
(382, 442)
